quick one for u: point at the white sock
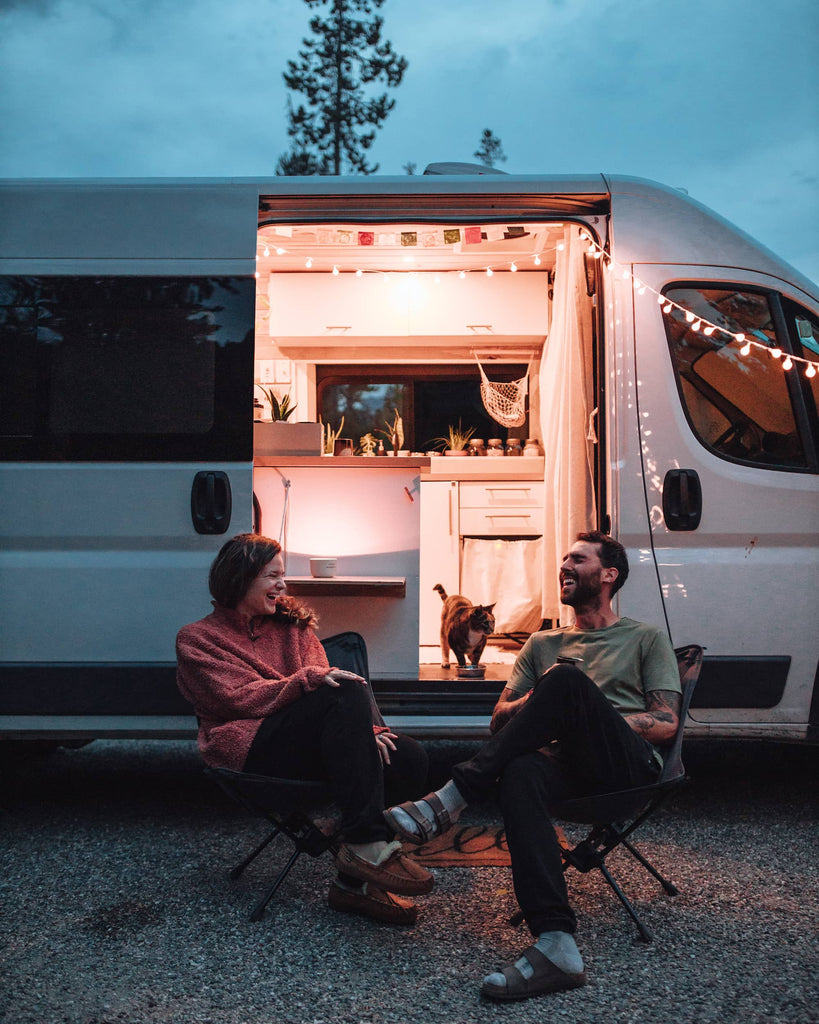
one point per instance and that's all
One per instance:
(450, 797)
(559, 947)
(376, 852)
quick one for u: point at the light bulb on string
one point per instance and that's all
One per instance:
(308, 262)
(788, 363)
(537, 260)
(280, 251)
(514, 268)
(489, 272)
(811, 370)
(689, 316)
(359, 273)
(667, 307)
(267, 250)
(746, 348)
(335, 271)
(776, 353)
(709, 330)
(696, 325)
(462, 274)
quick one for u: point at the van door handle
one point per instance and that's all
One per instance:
(211, 501)
(682, 499)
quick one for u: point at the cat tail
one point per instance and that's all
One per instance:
(441, 591)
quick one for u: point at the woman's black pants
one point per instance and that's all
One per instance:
(593, 750)
(327, 735)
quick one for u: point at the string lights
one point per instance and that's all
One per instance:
(473, 235)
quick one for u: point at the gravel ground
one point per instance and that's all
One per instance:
(117, 907)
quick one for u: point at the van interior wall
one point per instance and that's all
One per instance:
(366, 519)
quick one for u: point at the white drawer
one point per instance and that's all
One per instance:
(503, 494)
(508, 522)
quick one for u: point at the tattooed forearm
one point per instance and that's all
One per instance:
(658, 722)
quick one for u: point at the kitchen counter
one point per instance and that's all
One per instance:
(436, 467)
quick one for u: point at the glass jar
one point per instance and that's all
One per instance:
(476, 446)
(532, 448)
(495, 447)
(513, 447)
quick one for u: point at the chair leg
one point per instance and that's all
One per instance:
(669, 887)
(259, 909)
(236, 871)
(645, 933)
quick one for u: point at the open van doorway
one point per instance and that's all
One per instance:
(359, 323)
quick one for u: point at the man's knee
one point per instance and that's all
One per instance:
(560, 681)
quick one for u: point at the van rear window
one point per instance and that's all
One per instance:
(115, 368)
(739, 405)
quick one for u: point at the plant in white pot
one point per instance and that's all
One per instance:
(279, 436)
(456, 440)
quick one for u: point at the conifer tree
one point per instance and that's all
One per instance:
(332, 131)
(490, 150)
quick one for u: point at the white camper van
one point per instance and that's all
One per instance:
(661, 364)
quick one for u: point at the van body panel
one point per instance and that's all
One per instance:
(743, 583)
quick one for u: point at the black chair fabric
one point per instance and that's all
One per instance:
(615, 816)
(291, 806)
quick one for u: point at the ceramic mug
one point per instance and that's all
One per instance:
(323, 567)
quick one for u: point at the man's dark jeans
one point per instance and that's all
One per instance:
(593, 750)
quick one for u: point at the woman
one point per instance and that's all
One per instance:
(269, 703)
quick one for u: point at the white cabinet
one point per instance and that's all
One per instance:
(440, 553)
(451, 510)
(331, 310)
(501, 509)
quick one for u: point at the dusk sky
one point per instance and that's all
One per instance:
(720, 97)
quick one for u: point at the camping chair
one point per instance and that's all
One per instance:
(614, 816)
(291, 805)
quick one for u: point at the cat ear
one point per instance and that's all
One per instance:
(489, 607)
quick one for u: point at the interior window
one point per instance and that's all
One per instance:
(429, 401)
(806, 343)
(739, 405)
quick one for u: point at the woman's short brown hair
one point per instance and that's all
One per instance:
(237, 565)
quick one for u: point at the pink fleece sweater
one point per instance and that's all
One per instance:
(236, 671)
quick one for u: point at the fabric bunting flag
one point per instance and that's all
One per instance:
(452, 235)
(409, 238)
(366, 238)
(472, 236)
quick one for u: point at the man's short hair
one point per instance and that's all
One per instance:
(612, 555)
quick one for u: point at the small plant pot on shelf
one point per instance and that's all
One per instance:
(455, 451)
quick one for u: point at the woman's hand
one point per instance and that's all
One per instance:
(336, 675)
(384, 742)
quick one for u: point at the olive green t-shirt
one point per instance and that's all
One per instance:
(625, 660)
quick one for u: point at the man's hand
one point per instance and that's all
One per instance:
(659, 722)
(508, 705)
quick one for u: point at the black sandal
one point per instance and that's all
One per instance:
(427, 829)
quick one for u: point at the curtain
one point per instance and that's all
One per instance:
(507, 573)
(566, 397)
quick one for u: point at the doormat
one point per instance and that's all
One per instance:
(468, 846)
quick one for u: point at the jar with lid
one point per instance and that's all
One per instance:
(258, 411)
(476, 447)
(513, 446)
(532, 448)
(495, 447)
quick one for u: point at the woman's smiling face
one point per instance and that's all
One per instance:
(262, 593)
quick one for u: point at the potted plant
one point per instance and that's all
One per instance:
(394, 433)
(329, 436)
(280, 436)
(456, 440)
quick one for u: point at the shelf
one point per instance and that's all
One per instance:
(340, 462)
(517, 467)
(347, 586)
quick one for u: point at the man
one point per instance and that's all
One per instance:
(582, 713)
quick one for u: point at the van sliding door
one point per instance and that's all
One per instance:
(730, 465)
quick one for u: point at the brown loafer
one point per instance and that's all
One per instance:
(370, 901)
(396, 873)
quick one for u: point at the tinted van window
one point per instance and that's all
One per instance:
(126, 368)
(739, 405)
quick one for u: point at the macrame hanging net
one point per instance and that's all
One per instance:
(505, 401)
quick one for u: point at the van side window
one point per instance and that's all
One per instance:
(108, 368)
(738, 405)
(804, 327)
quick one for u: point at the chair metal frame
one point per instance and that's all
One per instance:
(615, 816)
